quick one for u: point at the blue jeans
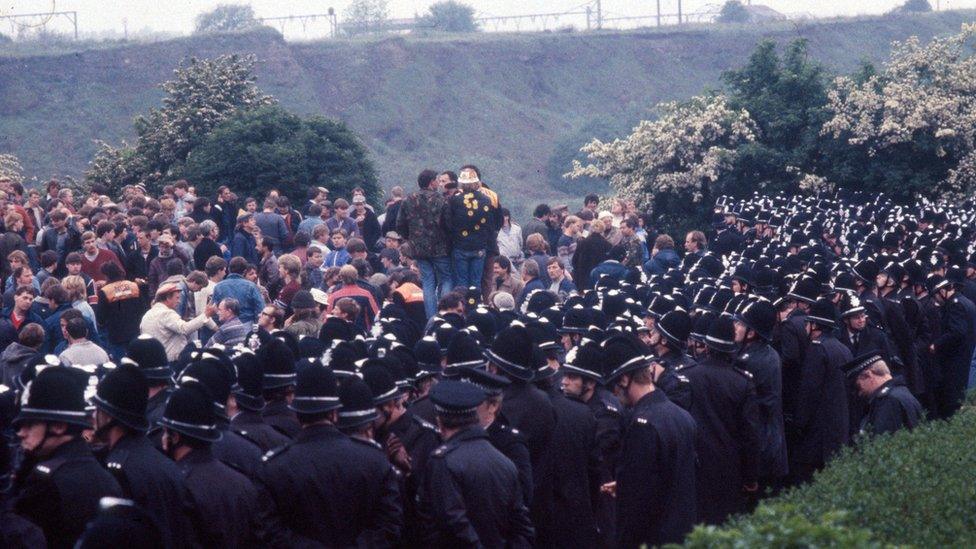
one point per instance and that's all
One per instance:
(435, 277)
(468, 267)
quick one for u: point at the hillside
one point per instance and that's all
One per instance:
(516, 105)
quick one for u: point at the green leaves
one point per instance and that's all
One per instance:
(911, 488)
(202, 94)
(270, 146)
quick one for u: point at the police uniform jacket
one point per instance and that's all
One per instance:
(892, 407)
(726, 411)
(868, 340)
(791, 340)
(153, 481)
(511, 444)
(873, 307)
(471, 496)
(954, 350)
(727, 241)
(762, 361)
(419, 439)
(574, 459)
(60, 494)
(606, 410)
(225, 503)
(656, 500)
(821, 414)
(903, 342)
(236, 451)
(251, 425)
(677, 386)
(528, 409)
(326, 489)
(277, 415)
(424, 409)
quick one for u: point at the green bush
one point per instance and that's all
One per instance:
(270, 147)
(912, 488)
(772, 529)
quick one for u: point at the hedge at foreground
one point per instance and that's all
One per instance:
(912, 488)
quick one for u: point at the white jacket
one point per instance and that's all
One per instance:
(165, 325)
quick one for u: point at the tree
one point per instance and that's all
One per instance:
(450, 16)
(733, 12)
(270, 147)
(785, 97)
(674, 164)
(204, 93)
(226, 18)
(914, 6)
(910, 129)
(11, 169)
(363, 16)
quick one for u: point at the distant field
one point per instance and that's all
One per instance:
(517, 105)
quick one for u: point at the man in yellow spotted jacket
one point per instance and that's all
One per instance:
(472, 225)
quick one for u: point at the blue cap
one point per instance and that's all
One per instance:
(456, 398)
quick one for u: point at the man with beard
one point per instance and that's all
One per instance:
(60, 482)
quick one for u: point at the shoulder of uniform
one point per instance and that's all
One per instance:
(117, 460)
(816, 342)
(611, 408)
(884, 391)
(440, 451)
(368, 443)
(744, 373)
(744, 357)
(446, 448)
(424, 423)
(275, 452)
(682, 378)
(48, 468)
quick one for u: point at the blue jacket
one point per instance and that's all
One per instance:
(245, 292)
(660, 263)
(55, 342)
(246, 246)
(566, 286)
(336, 258)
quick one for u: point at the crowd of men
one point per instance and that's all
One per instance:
(181, 371)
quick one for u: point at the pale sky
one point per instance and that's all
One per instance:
(102, 17)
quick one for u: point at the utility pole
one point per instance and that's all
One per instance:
(679, 12)
(659, 13)
(588, 10)
(599, 14)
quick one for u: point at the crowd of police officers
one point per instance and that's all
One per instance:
(622, 416)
